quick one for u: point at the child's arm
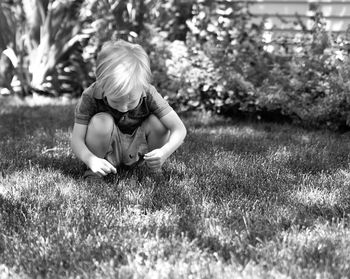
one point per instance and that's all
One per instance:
(98, 165)
(173, 123)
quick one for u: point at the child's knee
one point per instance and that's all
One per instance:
(101, 124)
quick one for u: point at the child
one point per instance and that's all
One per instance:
(121, 119)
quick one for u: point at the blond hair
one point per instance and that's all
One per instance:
(122, 68)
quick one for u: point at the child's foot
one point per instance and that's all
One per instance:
(91, 177)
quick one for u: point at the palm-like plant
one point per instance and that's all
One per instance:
(58, 22)
(6, 38)
(44, 32)
(45, 36)
(58, 34)
(113, 19)
(6, 33)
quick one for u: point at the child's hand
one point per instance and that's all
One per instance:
(155, 159)
(101, 166)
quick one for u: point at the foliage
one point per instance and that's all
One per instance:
(7, 37)
(112, 20)
(47, 32)
(58, 38)
(206, 55)
(208, 72)
(234, 67)
(58, 58)
(6, 22)
(169, 17)
(312, 83)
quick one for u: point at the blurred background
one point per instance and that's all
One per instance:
(275, 60)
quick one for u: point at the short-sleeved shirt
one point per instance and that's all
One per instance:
(92, 102)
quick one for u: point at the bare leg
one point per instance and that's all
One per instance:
(99, 132)
(156, 133)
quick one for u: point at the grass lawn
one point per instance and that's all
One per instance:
(237, 200)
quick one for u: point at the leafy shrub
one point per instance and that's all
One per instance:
(228, 67)
(205, 55)
(169, 17)
(312, 84)
(205, 72)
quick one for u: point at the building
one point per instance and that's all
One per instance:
(284, 15)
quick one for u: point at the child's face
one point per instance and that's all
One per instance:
(124, 103)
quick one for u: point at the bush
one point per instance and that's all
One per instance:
(311, 87)
(227, 66)
(208, 55)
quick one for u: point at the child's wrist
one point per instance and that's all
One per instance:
(88, 159)
(166, 151)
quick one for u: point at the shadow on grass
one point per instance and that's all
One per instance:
(24, 121)
(307, 214)
(37, 136)
(263, 182)
(228, 167)
(14, 215)
(307, 151)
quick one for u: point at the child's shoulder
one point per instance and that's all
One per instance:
(156, 101)
(93, 91)
(89, 91)
(151, 91)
